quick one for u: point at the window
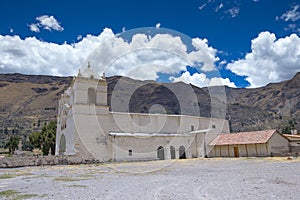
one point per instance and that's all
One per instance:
(192, 128)
(91, 96)
(130, 152)
(213, 126)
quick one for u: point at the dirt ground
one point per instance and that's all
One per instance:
(242, 178)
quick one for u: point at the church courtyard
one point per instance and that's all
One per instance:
(216, 178)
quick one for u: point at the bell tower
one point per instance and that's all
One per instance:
(90, 89)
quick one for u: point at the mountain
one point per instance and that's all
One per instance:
(274, 106)
(28, 101)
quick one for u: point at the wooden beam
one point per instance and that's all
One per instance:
(246, 150)
(228, 151)
(256, 150)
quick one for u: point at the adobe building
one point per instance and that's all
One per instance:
(294, 142)
(250, 144)
(87, 129)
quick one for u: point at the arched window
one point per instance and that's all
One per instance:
(91, 96)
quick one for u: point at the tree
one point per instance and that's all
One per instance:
(12, 143)
(291, 126)
(46, 139)
(35, 139)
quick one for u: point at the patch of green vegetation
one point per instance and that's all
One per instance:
(8, 193)
(69, 179)
(15, 195)
(6, 176)
(25, 174)
(65, 179)
(78, 186)
(43, 195)
(24, 196)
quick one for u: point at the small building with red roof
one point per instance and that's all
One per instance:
(250, 144)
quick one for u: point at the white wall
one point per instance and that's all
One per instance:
(145, 148)
(278, 144)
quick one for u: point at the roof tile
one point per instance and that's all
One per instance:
(255, 137)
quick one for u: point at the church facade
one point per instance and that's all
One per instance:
(86, 128)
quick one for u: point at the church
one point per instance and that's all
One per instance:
(87, 129)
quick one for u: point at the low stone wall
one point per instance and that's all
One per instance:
(24, 161)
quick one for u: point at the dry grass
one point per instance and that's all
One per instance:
(7, 176)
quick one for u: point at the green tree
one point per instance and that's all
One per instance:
(46, 139)
(35, 139)
(291, 126)
(12, 143)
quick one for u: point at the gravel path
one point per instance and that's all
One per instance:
(255, 178)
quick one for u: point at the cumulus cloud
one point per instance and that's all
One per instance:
(201, 80)
(46, 22)
(157, 25)
(291, 15)
(143, 57)
(271, 59)
(34, 28)
(32, 56)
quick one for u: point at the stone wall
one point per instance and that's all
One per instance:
(25, 161)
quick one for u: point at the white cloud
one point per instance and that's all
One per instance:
(79, 37)
(34, 28)
(234, 12)
(219, 7)
(271, 59)
(201, 80)
(11, 30)
(204, 54)
(291, 15)
(157, 25)
(46, 22)
(292, 27)
(221, 81)
(202, 6)
(114, 55)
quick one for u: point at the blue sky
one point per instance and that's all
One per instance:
(254, 41)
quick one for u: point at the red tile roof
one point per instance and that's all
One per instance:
(256, 137)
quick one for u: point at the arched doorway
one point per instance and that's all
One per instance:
(62, 145)
(160, 153)
(182, 152)
(172, 151)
